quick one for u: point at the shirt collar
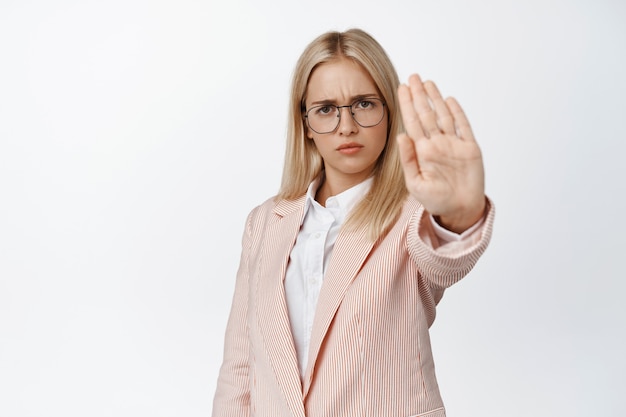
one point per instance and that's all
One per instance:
(344, 202)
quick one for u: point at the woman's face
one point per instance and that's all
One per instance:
(350, 151)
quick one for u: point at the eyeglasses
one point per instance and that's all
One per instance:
(366, 112)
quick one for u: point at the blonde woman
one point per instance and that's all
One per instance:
(340, 273)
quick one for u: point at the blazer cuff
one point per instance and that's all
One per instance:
(447, 262)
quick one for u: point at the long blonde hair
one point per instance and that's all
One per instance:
(303, 163)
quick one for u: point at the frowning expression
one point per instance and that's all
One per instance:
(350, 151)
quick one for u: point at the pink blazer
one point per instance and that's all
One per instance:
(370, 349)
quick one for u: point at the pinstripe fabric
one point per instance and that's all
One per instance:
(370, 349)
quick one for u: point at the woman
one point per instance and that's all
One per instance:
(341, 272)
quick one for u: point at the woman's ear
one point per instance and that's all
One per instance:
(307, 130)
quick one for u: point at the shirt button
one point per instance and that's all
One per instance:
(317, 235)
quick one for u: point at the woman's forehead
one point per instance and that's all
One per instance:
(339, 79)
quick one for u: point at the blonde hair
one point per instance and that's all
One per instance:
(303, 163)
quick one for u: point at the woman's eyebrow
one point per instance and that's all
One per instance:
(352, 99)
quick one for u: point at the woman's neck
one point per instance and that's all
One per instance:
(329, 188)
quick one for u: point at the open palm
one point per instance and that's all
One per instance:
(442, 162)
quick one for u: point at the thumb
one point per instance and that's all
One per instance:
(408, 156)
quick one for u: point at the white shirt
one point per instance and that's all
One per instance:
(311, 254)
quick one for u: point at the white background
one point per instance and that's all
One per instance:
(135, 136)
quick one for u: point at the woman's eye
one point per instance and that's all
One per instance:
(324, 110)
(365, 104)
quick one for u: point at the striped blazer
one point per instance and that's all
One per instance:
(370, 351)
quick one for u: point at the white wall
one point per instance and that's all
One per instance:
(136, 135)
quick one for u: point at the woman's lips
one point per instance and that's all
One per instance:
(349, 148)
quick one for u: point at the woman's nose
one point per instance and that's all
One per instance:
(347, 125)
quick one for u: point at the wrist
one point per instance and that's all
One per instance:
(461, 220)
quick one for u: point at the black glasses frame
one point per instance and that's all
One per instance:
(338, 108)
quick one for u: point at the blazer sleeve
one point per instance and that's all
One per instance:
(445, 265)
(232, 396)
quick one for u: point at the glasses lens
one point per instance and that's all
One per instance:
(368, 112)
(323, 119)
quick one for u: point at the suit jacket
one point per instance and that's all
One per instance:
(370, 351)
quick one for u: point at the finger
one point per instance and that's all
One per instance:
(408, 156)
(460, 120)
(410, 118)
(444, 118)
(424, 110)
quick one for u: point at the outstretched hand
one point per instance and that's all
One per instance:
(443, 166)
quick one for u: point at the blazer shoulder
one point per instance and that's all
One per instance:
(274, 206)
(261, 211)
(267, 206)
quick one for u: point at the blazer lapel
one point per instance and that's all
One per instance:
(351, 249)
(273, 318)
